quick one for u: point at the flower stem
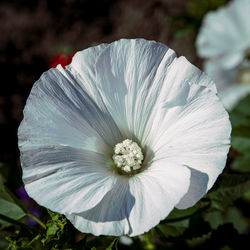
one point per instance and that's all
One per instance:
(15, 222)
(37, 220)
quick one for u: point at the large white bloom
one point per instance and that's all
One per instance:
(224, 41)
(124, 134)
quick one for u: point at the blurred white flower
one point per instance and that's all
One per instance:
(125, 240)
(124, 134)
(224, 41)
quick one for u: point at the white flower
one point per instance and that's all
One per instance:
(225, 34)
(130, 98)
(224, 41)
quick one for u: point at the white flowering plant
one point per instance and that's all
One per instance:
(127, 146)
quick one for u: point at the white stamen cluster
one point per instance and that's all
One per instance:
(128, 156)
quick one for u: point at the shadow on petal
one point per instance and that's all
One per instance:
(197, 188)
(116, 205)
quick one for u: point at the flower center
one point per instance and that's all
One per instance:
(128, 156)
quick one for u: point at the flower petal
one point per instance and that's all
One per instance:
(175, 94)
(59, 111)
(194, 132)
(197, 189)
(130, 74)
(157, 191)
(110, 216)
(138, 203)
(60, 117)
(65, 179)
(83, 67)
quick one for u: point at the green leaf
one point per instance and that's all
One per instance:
(148, 241)
(113, 244)
(229, 188)
(238, 119)
(241, 144)
(11, 210)
(9, 206)
(242, 164)
(232, 215)
(174, 229)
(24, 243)
(243, 107)
(55, 228)
(183, 32)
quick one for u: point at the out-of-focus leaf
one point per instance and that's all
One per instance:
(241, 144)
(197, 241)
(238, 119)
(148, 241)
(242, 164)
(225, 237)
(232, 215)
(174, 229)
(183, 32)
(229, 188)
(243, 107)
(9, 206)
(241, 131)
(247, 196)
(10, 210)
(178, 220)
(24, 243)
(199, 8)
(113, 244)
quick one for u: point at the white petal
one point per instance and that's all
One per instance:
(110, 216)
(138, 203)
(114, 228)
(175, 94)
(197, 189)
(129, 77)
(61, 130)
(157, 191)
(194, 132)
(231, 96)
(65, 179)
(59, 111)
(83, 67)
(199, 137)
